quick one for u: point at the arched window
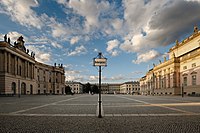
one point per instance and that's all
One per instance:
(31, 89)
(184, 81)
(23, 88)
(14, 88)
(194, 79)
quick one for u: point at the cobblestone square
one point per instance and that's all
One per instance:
(78, 113)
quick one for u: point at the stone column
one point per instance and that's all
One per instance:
(15, 63)
(8, 63)
(28, 71)
(32, 67)
(5, 61)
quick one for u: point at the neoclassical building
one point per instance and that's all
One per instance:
(180, 74)
(20, 73)
(76, 87)
(132, 87)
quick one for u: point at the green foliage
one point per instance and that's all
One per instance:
(68, 90)
(87, 88)
(95, 89)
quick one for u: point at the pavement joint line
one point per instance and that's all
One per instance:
(109, 115)
(133, 100)
(75, 104)
(149, 105)
(158, 105)
(41, 106)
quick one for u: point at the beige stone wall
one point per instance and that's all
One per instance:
(50, 79)
(19, 73)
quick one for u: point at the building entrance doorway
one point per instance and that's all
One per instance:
(14, 88)
(31, 89)
(23, 88)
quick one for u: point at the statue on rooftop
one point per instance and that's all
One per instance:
(195, 29)
(9, 40)
(5, 38)
(165, 58)
(177, 42)
(20, 39)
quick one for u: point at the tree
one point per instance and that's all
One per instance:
(87, 88)
(68, 90)
(95, 89)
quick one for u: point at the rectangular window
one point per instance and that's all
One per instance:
(184, 81)
(194, 65)
(193, 79)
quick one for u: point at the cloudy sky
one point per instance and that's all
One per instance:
(132, 34)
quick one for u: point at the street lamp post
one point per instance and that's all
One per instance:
(100, 61)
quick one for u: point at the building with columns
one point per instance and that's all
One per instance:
(180, 74)
(20, 73)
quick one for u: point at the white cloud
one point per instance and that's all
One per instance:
(37, 40)
(78, 51)
(158, 23)
(111, 45)
(90, 9)
(98, 16)
(145, 57)
(21, 11)
(55, 44)
(58, 29)
(96, 50)
(74, 40)
(117, 24)
(132, 45)
(42, 53)
(93, 78)
(118, 77)
(114, 53)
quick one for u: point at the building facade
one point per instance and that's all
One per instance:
(180, 74)
(76, 87)
(20, 73)
(130, 87)
(114, 88)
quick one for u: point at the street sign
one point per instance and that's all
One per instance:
(100, 62)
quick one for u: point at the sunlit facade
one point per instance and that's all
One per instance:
(180, 74)
(76, 87)
(132, 87)
(20, 73)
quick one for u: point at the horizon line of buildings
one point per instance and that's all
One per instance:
(130, 87)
